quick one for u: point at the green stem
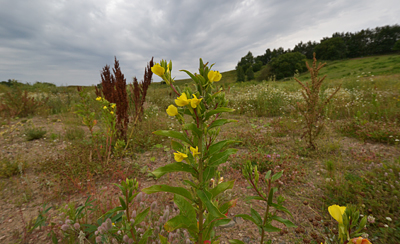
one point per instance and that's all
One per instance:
(201, 169)
(266, 214)
(127, 213)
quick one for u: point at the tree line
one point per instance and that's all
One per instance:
(284, 63)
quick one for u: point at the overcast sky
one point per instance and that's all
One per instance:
(67, 42)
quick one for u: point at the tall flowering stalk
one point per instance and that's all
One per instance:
(198, 153)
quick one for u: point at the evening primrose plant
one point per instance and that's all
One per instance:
(197, 153)
(349, 226)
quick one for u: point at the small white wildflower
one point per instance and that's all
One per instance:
(388, 219)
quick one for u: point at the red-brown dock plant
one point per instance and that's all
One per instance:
(312, 108)
(198, 154)
(114, 90)
(139, 91)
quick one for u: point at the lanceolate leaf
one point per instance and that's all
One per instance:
(181, 221)
(191, 126)
(221, 157)
(220, 122)
(254, 198)
(141, 216)
(248, 217)
(286, 222)
(205, 197)
(174, 134)
(221, 188)
(236, 241)
(191, 75)
(176, 146)
(269, 228)
(175, 167)
(215, 148)
(166, 188)
(256, 216)
(185, 208)
(217, 111)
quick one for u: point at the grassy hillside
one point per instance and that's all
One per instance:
(376, 65)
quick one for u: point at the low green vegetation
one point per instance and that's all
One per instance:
(71, 148)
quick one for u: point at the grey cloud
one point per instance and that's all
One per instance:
(68, 42)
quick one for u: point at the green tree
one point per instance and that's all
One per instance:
(257, 66)
(396, 46)
(240, 74)
(250, 73)
(286, 64)
(331, 49)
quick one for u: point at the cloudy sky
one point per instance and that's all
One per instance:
(67, 42)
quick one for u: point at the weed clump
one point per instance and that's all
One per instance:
(34, 133)
(312, 108)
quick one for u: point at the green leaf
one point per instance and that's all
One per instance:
(215, 148)
(268, 175)
(174, 134)
(217, 111)
(141, 216)
(248, 217)
(181, 221)
(176, 146)
(221, 157)
(283, 221)
(123, 204)
(220, 122)
(191, 75)
(256, 216)
(271, 195)
(191, 126)
(185, 208)
(175, 167)
(280, 208)
(269, 228)
(221, 188)
(226, 206)
(236, 241)
(254, 198)
(206, 198)
(277, 176)
(222, 222)
(166, 188)
(209, 172)
(146, 236)
(164, 240)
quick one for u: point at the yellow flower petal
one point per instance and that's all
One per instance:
(178, 156)
(195, 151)
(182, 100)
(214, 76)
(194, 101)
(105, 107)
(158, 70)
(336, 212)
(98, 98)
(172, 110)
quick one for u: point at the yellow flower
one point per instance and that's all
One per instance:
(214, 76)
(178, 156)
(182, 100)
(158, 70)
(336, 212)
(172, 110)
(111, 112)
(113, 105)
(195, 151)
(194, 101)
(105, 107)
(98, 98)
